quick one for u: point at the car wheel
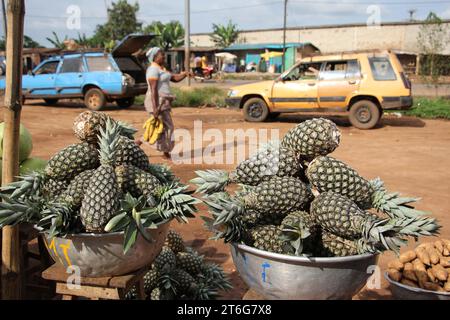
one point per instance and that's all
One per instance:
(125, 103)
(95, 99)
(255, 110)
(364, 114)
(51, 102)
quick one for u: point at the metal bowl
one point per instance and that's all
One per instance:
(101, 255)
(278, 276)
(404, 292)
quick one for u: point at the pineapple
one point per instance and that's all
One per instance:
(161, 294)
(74, 193)
(183, 281)
(165, 261)
(87, 126)
(329, 174)
(268, 238)
(151, 280)
(102, 195)
(136, 181)
(278, 195)
(312, 138)
(341, 216)
(174, 242)
(71, 161)
(191, 263)
(332, 245)
(128, 152)
(52, 188)
(260, 167)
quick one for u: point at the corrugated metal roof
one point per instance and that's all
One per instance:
(262, 46)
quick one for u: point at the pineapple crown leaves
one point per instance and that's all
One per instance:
(295, 235)
(175, 201)
(58, 219)
(214, 274)
(162, 172)
(126, 129)
(133, 218)
(392, 204)
(108, 141)
(27, 185)
(230, 231)
(224, 209)
(211, 181)
(415, 227)
(14, 211)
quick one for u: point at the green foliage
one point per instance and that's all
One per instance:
(225, 35)
(56, 42)
(28, 42)
(122, 21)
(206, 96)
(169, 35)
(431, 40)
(430, 108)
(2, 43)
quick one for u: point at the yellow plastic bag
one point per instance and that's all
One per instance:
(153, 128)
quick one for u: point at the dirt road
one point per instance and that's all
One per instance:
(411, 155)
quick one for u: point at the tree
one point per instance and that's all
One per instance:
(121, 21)
(56, 42)
(2, 44)
(225, 35)
(28, 42)
(169, 35)
(432, 39)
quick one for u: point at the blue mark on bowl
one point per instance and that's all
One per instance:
(264, 266)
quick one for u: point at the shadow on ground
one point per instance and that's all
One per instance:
(342, 120)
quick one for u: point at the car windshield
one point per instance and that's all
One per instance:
(99, 64)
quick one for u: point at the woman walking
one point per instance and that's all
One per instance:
(158, 99)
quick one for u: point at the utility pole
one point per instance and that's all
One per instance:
(284, 36)
(187, 39)
(11, 251)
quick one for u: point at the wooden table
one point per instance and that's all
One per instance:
(112, 288)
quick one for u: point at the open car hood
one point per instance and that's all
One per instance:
(131, 44)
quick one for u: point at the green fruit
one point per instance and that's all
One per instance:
(25, 142)
(32, 164)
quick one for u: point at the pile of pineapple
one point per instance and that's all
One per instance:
(103, 183)
(179, 273)
(296, 199)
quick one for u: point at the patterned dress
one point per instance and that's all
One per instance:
(165, 142)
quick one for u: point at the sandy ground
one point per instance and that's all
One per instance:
(411, 155)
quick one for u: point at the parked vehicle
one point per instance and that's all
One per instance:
(96, 77)
(206, 73)
(362, 84)
(2, 66)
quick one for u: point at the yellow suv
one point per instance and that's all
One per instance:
(362, 84)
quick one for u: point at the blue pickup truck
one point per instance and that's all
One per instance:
(96, 77)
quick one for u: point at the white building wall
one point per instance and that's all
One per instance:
(402, 37)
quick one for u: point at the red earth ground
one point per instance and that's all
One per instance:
(411, 155)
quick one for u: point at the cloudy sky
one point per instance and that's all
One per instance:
(44, 16)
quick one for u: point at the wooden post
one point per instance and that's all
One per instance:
(187, 39)
(11, 278)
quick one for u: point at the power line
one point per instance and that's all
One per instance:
(386, 3)
(263, 4)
